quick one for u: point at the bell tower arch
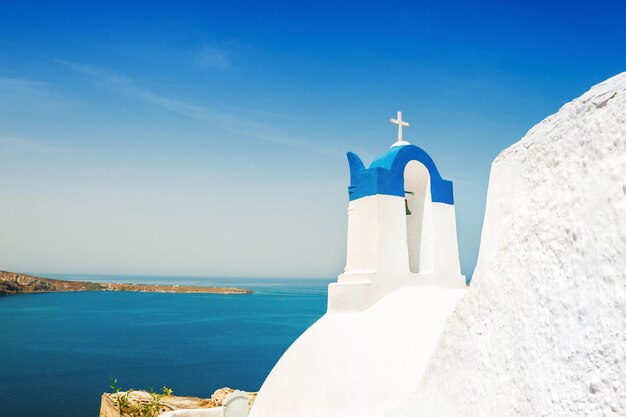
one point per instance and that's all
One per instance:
(419, 217)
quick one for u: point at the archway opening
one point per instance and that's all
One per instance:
(419, 223)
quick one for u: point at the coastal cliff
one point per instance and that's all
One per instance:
(14, 283)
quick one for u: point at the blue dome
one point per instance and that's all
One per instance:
(386, 174)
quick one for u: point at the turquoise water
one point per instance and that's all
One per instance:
(58, 351)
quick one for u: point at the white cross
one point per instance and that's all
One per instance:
(400, 123)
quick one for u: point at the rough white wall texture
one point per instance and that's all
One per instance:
(542, 329)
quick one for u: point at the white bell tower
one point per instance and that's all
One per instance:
(367, 355)
(401, 228)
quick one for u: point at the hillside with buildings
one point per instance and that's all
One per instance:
(12, 283)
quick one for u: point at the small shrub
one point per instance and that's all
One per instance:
(129, 408)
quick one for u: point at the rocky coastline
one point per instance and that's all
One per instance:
(12, 283)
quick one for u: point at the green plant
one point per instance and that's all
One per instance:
(128, 407)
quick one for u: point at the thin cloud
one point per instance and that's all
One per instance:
(19, 83)
(242, 109)
(228, 122)
(29, 93)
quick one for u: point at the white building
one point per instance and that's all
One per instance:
(385, 314)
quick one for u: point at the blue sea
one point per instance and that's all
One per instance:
(59, 351)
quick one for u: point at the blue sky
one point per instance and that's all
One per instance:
(209, 138)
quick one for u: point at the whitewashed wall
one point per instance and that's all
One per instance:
(542, 329)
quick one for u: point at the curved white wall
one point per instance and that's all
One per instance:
(359, 364)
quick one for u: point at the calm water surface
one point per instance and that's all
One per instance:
(58, 351)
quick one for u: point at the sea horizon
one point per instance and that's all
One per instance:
(158, 278)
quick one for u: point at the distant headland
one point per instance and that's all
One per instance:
(14, 283)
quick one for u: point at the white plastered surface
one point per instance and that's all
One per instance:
(542, 328)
